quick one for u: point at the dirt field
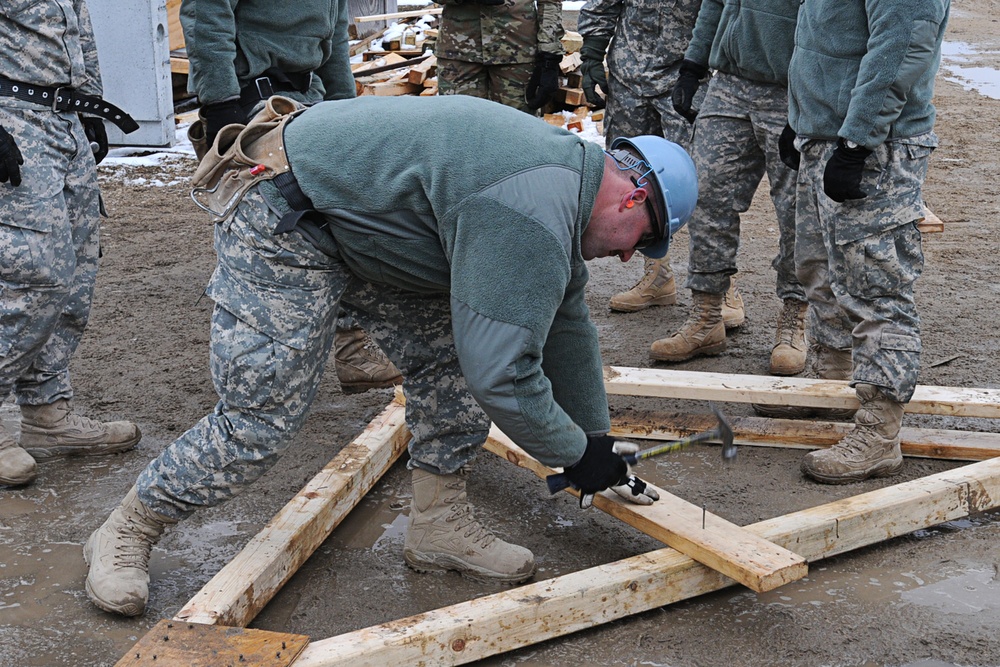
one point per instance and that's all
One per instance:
(930, 599)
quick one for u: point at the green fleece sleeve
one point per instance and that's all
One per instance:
(703, 35)
(210, 34)
(335, 73)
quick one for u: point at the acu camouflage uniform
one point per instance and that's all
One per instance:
(648, 38)
(50, 228)
(489, 51)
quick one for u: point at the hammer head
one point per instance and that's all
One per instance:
(725, 435)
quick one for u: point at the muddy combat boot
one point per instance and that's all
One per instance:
(827, 364)
(16, 465)
(118, 556)
(788, 356)
(54, 431)
(445, 535)
(870, 450)
(361, 364)
(657, 287)
(734, 314)
(702, 334)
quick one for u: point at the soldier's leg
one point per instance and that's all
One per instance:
(458, 77)
(508, 83)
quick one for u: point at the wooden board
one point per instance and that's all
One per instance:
(174, 31)
(176, 644)
(707, 538)
(391, 88)
(544, 610)
(416, 13)
(420, 72)
(930, 223)
(663, 383)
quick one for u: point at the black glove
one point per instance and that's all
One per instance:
(493, 3)
(600, 467)
(592, 68)
(96, 134)
(786, 148)
(544, 80)
(10, 159)
(687, 85)
(220, 114)
(842, 176)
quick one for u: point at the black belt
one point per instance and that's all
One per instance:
(265, 86)
(62, 98)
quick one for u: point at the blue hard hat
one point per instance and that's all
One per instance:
(676, 181)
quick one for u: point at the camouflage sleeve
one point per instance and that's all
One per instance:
(335, 73)
(92, 85)
(550, 27)
(704, 32)
(598, 18)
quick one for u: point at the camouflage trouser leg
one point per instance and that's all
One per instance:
(501, 83)
(859, 260)
(272, 330)
(735, 142)
(629, 115)
(447, 424)
(49, 242)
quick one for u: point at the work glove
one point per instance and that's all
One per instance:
(602, 467)
(97, 134)
(592, 68)
(544, 80)
(10, 159)
(688, 81)
(219, 114)
(844, 169)
(786, 148)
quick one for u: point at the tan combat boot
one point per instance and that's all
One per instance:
(361, 364)
(788, 356)
(657, 287)
(827, 364)
(118, 556)
(702, 334)
(734, 314)
(16, 465)
(53, 431)
(870, 450)
(445, 535)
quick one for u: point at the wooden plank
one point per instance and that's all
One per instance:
(572, 41)
(365, 42)
(805, 434)
(663, 383)
(241, 589)
(429, 91)
(707, 538)
(406, 53)
(569, 63)
(571, 97)
(398, 15)
(176, 644)
(424, 70)
(392, 88)
(537, 612)
(930, 223)
(363, 70)
(179, 65)
(175, 33)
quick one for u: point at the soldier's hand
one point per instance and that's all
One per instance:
(786, 148)
(844, 169)
(688, 82)
(592, 68)
(219, 114)
(97, 134)
(10, 159)
(544, 80)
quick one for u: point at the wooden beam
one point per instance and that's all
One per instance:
(805, 434)
(365, 42)
(707, 538)
(663, 383)
(176, 644)
(398, 15)
(391, 88)
(930, 223)
(241, 589)
(423, 71)
(399, 64)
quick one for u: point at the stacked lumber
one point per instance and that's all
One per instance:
(398, 59)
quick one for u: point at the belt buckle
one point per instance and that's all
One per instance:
(264, 89)
(55, 99)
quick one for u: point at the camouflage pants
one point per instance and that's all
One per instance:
(629, 114)
(501, 83)
(735, 143)
(49, 243)
(276, 300)
(859, 260)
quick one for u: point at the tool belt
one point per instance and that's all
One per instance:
(244, 155)
(270, 82)
(61, 98)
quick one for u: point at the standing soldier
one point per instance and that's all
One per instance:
(51, 138)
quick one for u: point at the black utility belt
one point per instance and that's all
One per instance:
(272, 82)
(62, 98)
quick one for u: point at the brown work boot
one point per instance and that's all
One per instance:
(870, 450)
(16, 465)
(827, 364)
(118, 556)
(703, 333)
(445, 535)
(734, 314)
(361, 364)
(54, 431)
(788, 356)
(657, 287)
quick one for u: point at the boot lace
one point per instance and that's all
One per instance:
(133, 548)
(790, 321)
(461, 514)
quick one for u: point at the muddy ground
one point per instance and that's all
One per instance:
(931, 598)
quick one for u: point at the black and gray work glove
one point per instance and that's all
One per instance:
(592, 68)
(10, 159)
(688, 81)
(844, 169)
(219, 114)
(96, 134)
(786, 148)
(544, 81)
(602, 467)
